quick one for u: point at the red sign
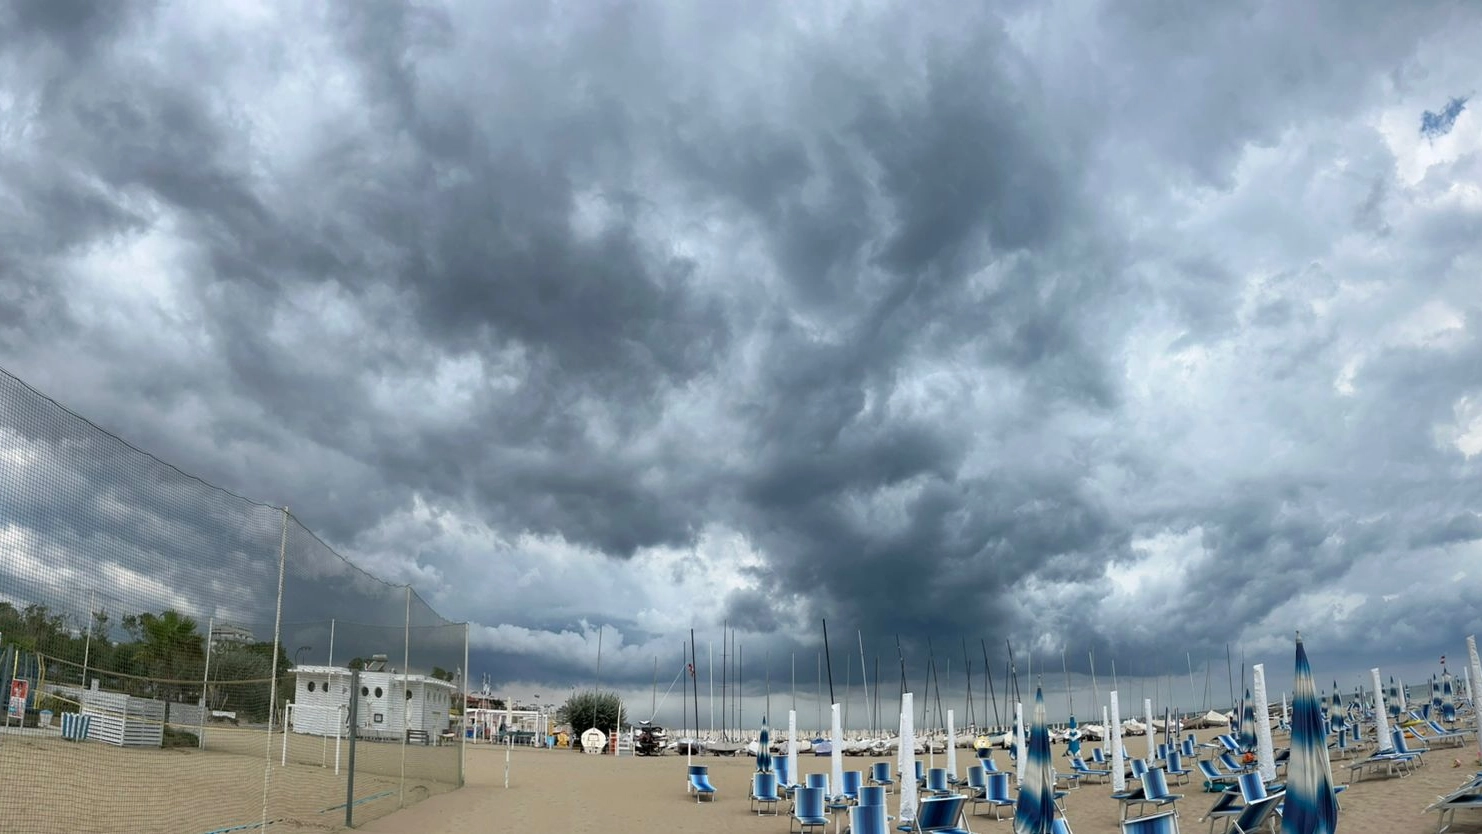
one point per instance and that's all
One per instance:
(19, 689)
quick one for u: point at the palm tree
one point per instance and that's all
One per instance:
(172, 648)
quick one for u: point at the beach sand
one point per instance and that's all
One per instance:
(561, 790)
(56, 787)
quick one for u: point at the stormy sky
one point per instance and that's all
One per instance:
(1126, 328)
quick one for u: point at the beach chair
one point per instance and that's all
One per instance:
(1229, 742)
(818, 780)
(936, 782)
(1403, 747)
(1466, 798)
(782, 766)
(1230, 763)
(989, 766)
(939, 815)
(1058, 825)
(920, 774)
(807, 810)
(1078, 766)
(1139, 767)
(1099, 757)
(1254, 815)
(1176, 767)
(1155, 791)
(880, 775)
(868, 819)
(698, 783)
(995, 793)
(872, 795)
(853, 781)
(1403, 737)
(1439, 733)
(1164, 823)
(1227, 805)
(764, 792)
(1187, 747)
(1126, 798)
(973, 785)
(1214, 780)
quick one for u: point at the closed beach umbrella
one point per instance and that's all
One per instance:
(1075, 737)
(1034, 812)
(907, 761)
(1448, 699)
(764, 750)
(1248, 725)
(1310, 807)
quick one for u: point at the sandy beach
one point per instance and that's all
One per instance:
(559, 790)
(68, 787)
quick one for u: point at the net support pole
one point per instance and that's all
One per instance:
(406, 712)
(205, 682)
(350, 757)
(267, 764)
(463, 715)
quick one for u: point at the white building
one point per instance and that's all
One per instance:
(389, 704)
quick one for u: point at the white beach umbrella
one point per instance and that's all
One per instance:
(907, 762)
(1118, 774)
(1476, 679)
(1147, 710)
(794, 767)
(1021, 744)
(951, 746)
(1265, 755)
(836, 753)
(1381, 720)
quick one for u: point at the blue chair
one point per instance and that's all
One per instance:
(939, 815)
(973, 784)
(782, 766)
(698, 783)
(1078, 767)
(868, 819)
(880, 775)
(807, 812)
(995, 793)
(1164, 823)
(936, 781)
(1139, 767)
(764, 792)
(1176, 767)
(1255, 815)
(818, 780)
(1155, 791)
(872, 795)
(853, 781)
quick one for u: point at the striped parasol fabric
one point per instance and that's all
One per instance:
(1248, 724)
(1448, 699)
(764, 750)
(1310, 806)
(1337, 715)
(1034, 813)
(1074, 738)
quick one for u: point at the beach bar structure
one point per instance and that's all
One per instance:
(391, 705)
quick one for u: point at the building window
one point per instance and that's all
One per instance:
(311, 686)
(364, 691)
(409, 694)
(378, 692)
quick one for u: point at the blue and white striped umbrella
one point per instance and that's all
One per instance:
(1435, 696)
(1392, 703)
(1336, 713)
(1311, 807)
(1034, 813)
(1074, 743)
(764, 750)
(1448, 699)
(1248, 724)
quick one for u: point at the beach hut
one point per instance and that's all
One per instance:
(390, 705)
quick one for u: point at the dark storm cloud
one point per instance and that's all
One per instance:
(957, 317)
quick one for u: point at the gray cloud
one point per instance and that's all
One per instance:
(1115, 329)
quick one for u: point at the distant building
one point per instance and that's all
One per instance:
(226, 634)
(389, 704)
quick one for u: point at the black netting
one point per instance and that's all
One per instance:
(141, 609)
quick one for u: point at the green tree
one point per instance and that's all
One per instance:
(584, 710)
(439, 673)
